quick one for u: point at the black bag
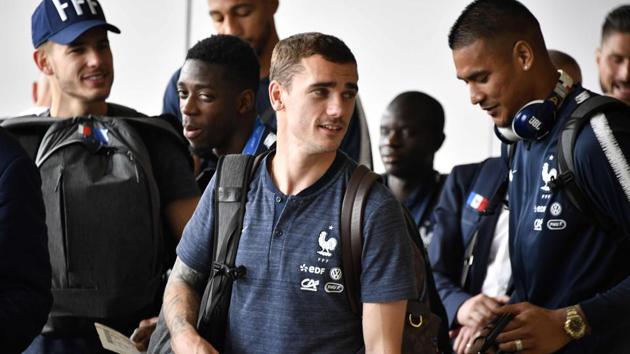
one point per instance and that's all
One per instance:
(485, 342)
(103, 215)
(425, 329)
(232, 181)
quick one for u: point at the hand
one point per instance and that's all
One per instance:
(190, 342)
(479, 310)
(141, 335)
(540, 330)
(464, 338)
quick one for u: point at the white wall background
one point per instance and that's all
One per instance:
(399, 44)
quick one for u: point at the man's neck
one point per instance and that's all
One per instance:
(265, 56)
(547, 82)
(64, 107)
(293, 171)
(402, 187)
(236, 143)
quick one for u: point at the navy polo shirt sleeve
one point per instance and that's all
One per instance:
(446, 250)
(195, 247)
(387, 267)
(601, 158)
(25, 274)
(170, 102)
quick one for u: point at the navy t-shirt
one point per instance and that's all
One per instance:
(292, 299)
(559, 257)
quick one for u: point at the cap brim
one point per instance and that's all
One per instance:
(72, 32)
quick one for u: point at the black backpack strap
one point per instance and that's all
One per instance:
(352, 208)
(567, 178)
(233, 175)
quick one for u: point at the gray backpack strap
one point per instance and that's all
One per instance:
(233, 175)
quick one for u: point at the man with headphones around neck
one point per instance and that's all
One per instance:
(571, 278)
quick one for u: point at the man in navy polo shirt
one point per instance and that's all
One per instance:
(571, 278)
(217, 94)
(292, 298)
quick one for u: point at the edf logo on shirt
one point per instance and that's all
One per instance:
(61, 7)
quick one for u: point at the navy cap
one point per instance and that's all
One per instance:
(63, 21)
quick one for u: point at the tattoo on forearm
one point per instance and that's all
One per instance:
(188, 275)
(181, 298)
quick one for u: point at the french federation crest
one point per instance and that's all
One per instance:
(326, 245)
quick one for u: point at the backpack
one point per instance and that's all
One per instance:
(232, 175)
(102, 213)
(425, 329)
(567, 179)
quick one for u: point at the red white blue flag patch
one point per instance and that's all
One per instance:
(477, 202)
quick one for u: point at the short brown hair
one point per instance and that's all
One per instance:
(286, 57)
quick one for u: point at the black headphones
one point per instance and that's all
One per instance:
(535, 119)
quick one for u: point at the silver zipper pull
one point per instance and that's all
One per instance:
(135, 165)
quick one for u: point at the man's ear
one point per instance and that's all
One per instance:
(598, 55)
(524, 54)
(246, 101)
(275, 95)
(42, 61)
(274, 6)
(438, 142)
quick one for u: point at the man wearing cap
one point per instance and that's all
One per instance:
(72, 50)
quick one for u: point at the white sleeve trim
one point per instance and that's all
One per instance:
(613, 152)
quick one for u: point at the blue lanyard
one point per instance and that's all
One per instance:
(254, 140)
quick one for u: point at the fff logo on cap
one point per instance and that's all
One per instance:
(62, 6)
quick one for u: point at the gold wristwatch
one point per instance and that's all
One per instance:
(574, 324)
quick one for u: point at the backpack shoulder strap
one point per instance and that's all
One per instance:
(567, 178)
(352, 207)
(232, 183)
(232, 175)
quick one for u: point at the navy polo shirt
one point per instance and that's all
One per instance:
(292, 299)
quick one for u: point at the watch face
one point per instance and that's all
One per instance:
(575, 327)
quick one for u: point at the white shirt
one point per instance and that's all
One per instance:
(499, 267)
